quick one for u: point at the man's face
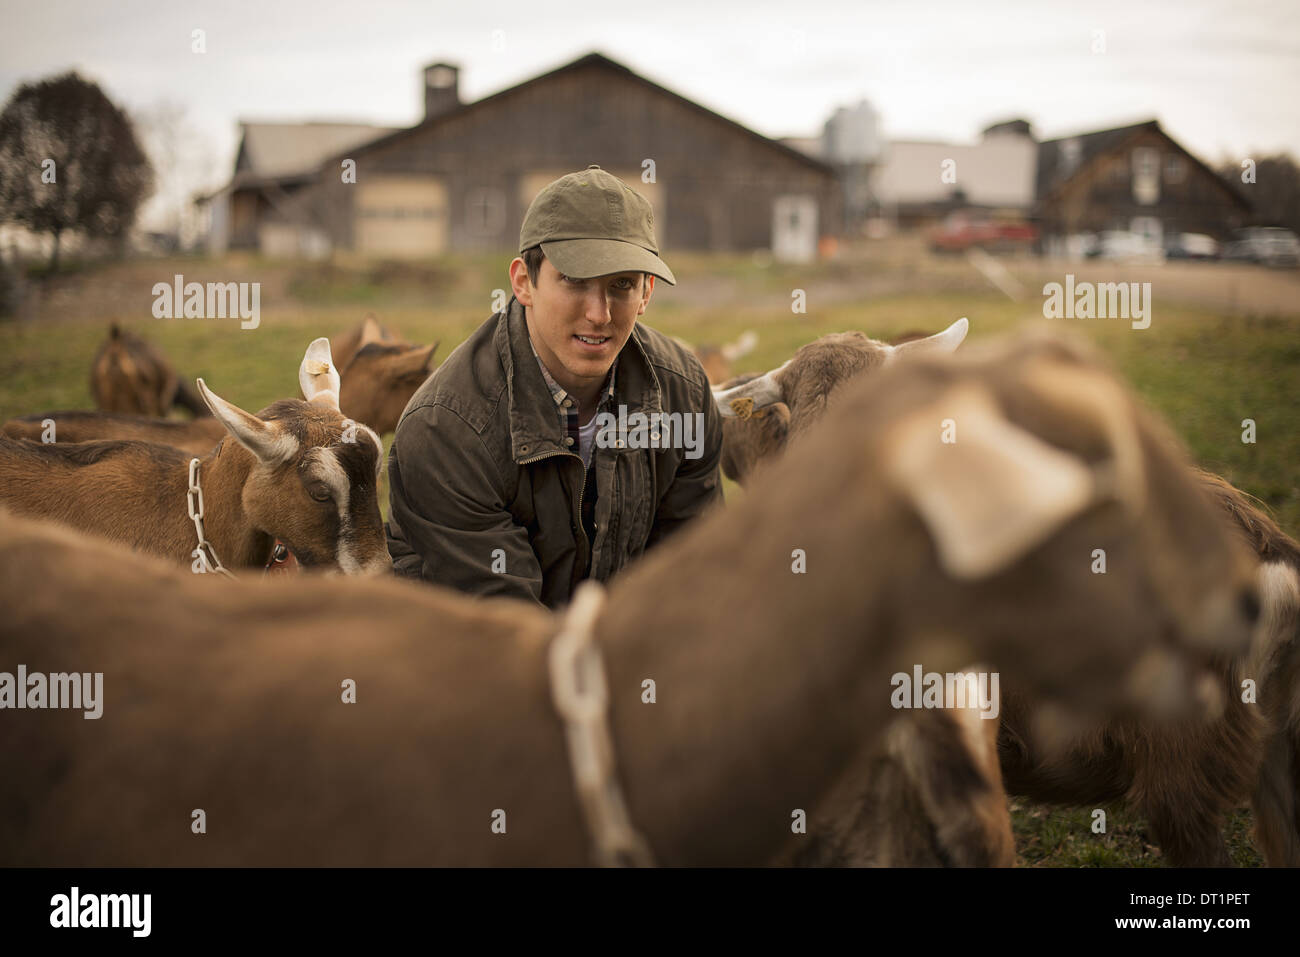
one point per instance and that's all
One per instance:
(579, 326)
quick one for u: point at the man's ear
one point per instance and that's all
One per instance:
(645, 296)
(519, 282)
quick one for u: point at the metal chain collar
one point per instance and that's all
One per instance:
(582, 699)
(194, 502)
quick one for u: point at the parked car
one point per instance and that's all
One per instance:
(963, 231)
(1268, 245)
(1120, 246)
(1191, 246)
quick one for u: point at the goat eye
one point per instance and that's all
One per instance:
(320, 494)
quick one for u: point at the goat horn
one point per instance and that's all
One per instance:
(937, 344)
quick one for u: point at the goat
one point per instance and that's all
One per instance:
(346, 345)
(1183, 779)
(454, 729)
(197, 436)
(1186, 779)
(929, 794)
(790, 398)
(380, 373)
(748, 442)
(293, 472)
(932, 793)
(131, 375)
(375, 388)
(380, 380)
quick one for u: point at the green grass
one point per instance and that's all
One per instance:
(1203, 370)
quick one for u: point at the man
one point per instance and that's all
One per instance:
(525, 464)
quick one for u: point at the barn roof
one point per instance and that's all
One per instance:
(604, 62)
(276, 150)
(1054, 169)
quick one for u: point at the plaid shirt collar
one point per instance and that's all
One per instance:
(565, 405)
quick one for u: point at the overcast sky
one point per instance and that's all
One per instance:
(1222, 77)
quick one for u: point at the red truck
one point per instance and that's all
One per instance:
(962, 231)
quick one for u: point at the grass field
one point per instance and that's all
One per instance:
(1223, 346)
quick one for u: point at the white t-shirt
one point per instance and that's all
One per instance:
(587, 440)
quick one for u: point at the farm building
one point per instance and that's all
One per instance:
(917, 181)
(264, 206)
(463, 177)
(1134, 178)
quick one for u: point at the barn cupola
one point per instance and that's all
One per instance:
(441, 89)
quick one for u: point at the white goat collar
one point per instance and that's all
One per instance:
(194, 502)
(582, 699)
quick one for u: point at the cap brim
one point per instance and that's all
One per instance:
(587, 258)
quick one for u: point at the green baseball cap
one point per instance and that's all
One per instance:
(593, 224)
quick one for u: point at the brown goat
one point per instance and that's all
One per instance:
(131, 375)
(374, 391)
(929, 795)
(346, 345)
(380, 380)
(295, 472)
(747, 442)
(768, 682)
(759, 411)
(193, 435)
(1184, 779)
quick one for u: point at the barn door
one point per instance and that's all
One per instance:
(794, 228)
(404, 217)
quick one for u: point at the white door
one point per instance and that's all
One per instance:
(794, 228)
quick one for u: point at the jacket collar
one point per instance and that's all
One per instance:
(534, 427)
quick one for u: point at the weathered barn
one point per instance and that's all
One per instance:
(1133, 178)
(265, 205)
(463, 178)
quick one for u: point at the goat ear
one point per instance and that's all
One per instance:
(371, 331)
(744, 400)
(1101, 402)
(987, 490)
(317, 376)
(418, 361)
(268, 443)
(938, 344)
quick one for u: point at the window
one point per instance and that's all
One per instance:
(1146, 176)
(485, 211)
(1175, 168)
(1071, 153)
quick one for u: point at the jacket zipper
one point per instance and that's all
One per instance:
(577, 516)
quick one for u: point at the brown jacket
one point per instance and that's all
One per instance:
(485, 496)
